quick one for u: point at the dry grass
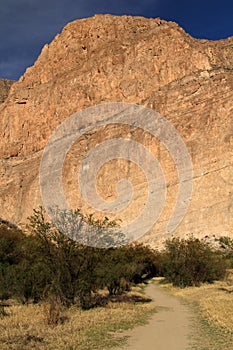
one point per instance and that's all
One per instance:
(27, 327)
(215, 300)
(214, 304)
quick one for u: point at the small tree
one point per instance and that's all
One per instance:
(72, 266)
(191, 262)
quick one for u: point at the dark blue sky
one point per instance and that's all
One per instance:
(27, 25)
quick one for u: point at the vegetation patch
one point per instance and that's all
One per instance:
(56, 293)
(27, 326)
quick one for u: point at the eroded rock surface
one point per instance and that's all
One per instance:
(5, 85)
(128, 59)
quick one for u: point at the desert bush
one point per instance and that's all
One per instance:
(71, 265)
(191, 262)
(9, 245)
(64, 258)
(45, 263)
(112, 270)
(122, 266)
(226, 249)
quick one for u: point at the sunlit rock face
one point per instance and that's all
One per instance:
(149, 62)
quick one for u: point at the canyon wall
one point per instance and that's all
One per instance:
(150, 62)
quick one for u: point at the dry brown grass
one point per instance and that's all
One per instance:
(214, 305)
(215, 300)
(27, 327)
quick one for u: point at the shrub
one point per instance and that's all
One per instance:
(191, 262)
(72, 265)
(226, 247)
(9, 244)
(122, 266)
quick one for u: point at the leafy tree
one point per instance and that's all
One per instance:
(191, 262)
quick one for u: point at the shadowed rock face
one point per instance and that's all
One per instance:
(5, 86)
(129, 59)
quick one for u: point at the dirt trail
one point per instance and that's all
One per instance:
(168, 329)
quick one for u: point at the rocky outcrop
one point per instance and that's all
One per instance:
(130, 59)
(5, 85)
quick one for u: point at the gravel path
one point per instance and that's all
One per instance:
(168, 329)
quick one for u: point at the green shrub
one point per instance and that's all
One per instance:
(46, 263)
(226, 247)
(120, 267)
(191, 262)
(10, 239)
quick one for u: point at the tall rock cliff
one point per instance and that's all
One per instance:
(126, 59)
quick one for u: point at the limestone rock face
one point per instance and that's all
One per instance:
(5, 85)
(126, 59)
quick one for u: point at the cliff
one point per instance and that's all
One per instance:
(136, 60)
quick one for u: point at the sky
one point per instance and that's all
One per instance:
(27, 25)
